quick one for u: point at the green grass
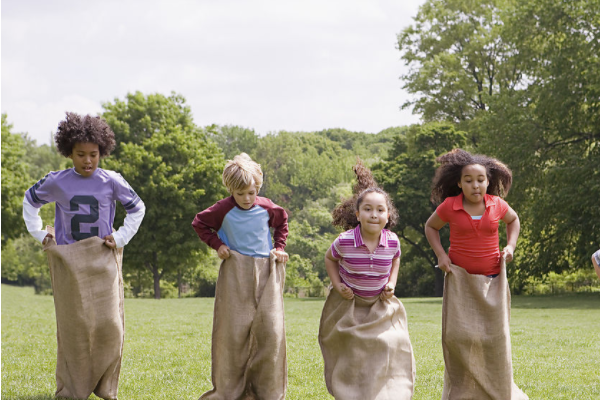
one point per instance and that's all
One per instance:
(556, 347)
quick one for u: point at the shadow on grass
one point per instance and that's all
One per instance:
(573, 301)
(306, 299)
(421, 300)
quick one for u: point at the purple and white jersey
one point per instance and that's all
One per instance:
(365, 272)
(85, 206)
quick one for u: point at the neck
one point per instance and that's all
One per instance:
(370, 237)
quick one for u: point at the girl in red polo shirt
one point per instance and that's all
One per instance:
(470, 189)
(476, 305)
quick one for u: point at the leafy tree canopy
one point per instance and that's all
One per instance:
(174, 168)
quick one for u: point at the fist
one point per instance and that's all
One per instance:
(387, 293)
(223, 252)
(345, 291)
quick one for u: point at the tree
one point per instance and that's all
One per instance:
(300, 167)
(457, 58)
(406, 175)
(536, 109)
(174, 168)
(15, 180)
(234, 140)
(548, 130)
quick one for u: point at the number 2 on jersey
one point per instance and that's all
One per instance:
(84, 218)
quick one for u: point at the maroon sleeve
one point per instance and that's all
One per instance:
(278, 220)
(208, 222)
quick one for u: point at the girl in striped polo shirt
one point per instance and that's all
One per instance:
(363, 332)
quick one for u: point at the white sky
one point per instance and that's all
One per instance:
(269, 65)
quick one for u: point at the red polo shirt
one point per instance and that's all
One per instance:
(474, 243)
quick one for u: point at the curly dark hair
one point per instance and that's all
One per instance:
(344, 215)
(448, 174)
(84, 129)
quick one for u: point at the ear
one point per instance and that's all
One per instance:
(459, 185)
(357, 215)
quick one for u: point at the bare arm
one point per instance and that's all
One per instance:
(388, 291)
(332, 265)
(513, 227)
(432, 232)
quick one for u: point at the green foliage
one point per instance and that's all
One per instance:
(584, 280)
(24, 263)
(369, 147)
(174, 168)
(521, 79)
(300, 278)
(15, 180)
(299, 167)
(547, 129)
(457, 58)
(233, 140)
(23, 163)
(406, 176)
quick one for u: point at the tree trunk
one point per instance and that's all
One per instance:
(439, 282)
(179, 283)
(153, 267)
(156, 277)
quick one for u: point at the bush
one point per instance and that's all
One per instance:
(25, 263)
(575, 282)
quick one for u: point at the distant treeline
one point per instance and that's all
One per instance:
(485, 77)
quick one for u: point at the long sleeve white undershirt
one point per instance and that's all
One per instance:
(122, 236)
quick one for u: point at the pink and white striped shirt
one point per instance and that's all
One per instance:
(364, 272)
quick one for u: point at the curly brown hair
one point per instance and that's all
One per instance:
(344, 215)
(448, 174)
(84, 129)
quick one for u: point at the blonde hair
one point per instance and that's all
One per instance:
(242, 172)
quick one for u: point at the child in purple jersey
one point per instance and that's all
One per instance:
(85, 200)
(596, 262)
(363, 331)
(84, 195)
(248, 339)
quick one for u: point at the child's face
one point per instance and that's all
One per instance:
(474, 183)
(373, 213)
(245, 197)
(85, 158)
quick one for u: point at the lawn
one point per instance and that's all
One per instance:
(556, 347)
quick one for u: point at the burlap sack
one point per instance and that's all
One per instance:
(88, 298)
(248, 340)
(476, 337)
(366, 349)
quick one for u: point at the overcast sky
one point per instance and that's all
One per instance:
(268, 65)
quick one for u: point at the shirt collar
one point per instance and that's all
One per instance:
(383, 240)
(458, 201)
